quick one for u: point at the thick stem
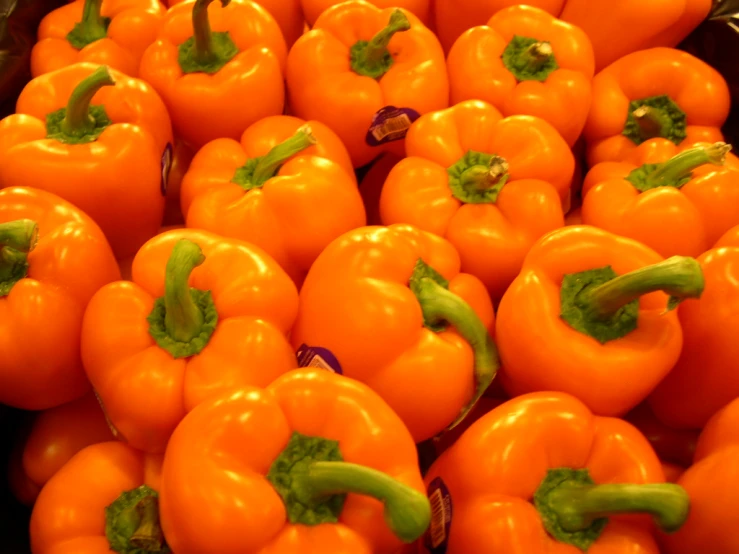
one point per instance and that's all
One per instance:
(148, 535)
(536, 56)
(377, 48)
(92, 22)
(20, 235)
(204, 52)
(407, 511)
(271, 162)
(650, 121)
(183, 318)
(77, 120)
(681, 166)
(479, 177)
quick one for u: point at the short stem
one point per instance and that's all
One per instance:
(92, 20)
(77, 120)
(681, 166)
(407, 511)
(20, 235)
(479, 177)
(11, 261)
(536, 56)
(377, 47)
(679, 276)
(649, 121)
(204, 52)
(271, 162)
(183, 318)
(148, 535)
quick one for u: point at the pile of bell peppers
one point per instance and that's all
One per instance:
(368, 277)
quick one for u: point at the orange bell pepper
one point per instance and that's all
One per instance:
(671, 445)
(393, 308)
(526, 61)
(53, 258)
(302, 465)
(98, 139)
(620, 29)
(420, 8)
(55, 436)
(155, 348)
(677, 206)
(484, 183)
(660, 92)
(110, 32)
(541, 474)
(182, 155)
(288, 187)
(712, 483)
(367, 73)
(104, 499)
(580, 319)
(205, 76)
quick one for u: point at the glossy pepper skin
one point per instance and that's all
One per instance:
(355, 61)
(288, 187)
(677, 206)
(537, 446)
(111, 168)
(659, 92)
(345, 437)
(53, 258)
(312, 9)
(593, 323)
(108, 32)
(712, 482)
(203, 314)
(617, 31)
(374, 299)
(524, 61)
(485, 183)
(104, 499)
(208, 58)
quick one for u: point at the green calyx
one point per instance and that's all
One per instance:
(92, 28)
(655, 117)
(677, 171)
(313, 480)
(17, 239)
(205, 51)
(372, 58)
(184, 319)
(605, 306)
(529, 59)
(257, 171)
(132, 523)
(574, 510)
(440, 306)
(79, 122)
(478, 178)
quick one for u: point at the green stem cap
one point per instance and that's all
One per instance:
(132, 523)
(92, 28)
(655, 117)
(373, 59)
(17, 239)
(478, 178)
(529, 59)
(205, 51)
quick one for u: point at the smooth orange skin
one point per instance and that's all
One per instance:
(485, 405)
(706, 376)
(145, 392)
(312, 200)
(116, 179)
(322, 86)
(712, 482)
(648, 24)
(495, 467)
(312, 9)
(211, 505)
(40, 320)
(356, 302)
(477, 72)
(133, 27)
(699, 90)
(69, 515)
(540, 351)
(371, 185)
(204, 106)
(529, 206)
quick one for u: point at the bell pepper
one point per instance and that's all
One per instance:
(110, 32)
(484, 183)
(371, 185)
(420, 8)
(706, 377)
(392, 307)
(99, 140)
(526, 61)
(204, 314)
(288, 187)
(485, 405)
(712, 483)
(53, 258)
(541, 473)
(104, 499)
(677, 206)
(208, 59)
(580, 318)
(631, 25)
(55, 436)
(367, 73)
(296, 467)
(672, 445)
(655, 93)
(182, 155)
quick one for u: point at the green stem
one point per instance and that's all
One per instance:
(183, 318)
(267, 166)
(480, 178)
(77, 120)
(682, 165)
(650, 121)
(132, 523)
(92, 20)
(20, 235)
(536, 56)
(148, 535)
(407, 511)
(204, 52)
(372, 58)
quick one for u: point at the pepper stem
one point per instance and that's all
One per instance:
(204, 52)
(372, 58)
(20, 235)
(132, 523)
(183, 318)
(481, 178)
(680, 167)
(271, 162)
(77, 119)
(148, 535)
(407, 511)
(651, 122)
(92, 22)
